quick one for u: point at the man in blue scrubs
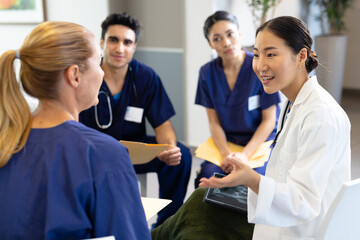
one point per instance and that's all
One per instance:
(130, 92)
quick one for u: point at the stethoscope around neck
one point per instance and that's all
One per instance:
(106, 126)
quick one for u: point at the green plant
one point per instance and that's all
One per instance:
(260, 9)
(332, 15)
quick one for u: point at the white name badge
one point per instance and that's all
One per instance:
(254, 102)
(134, 114)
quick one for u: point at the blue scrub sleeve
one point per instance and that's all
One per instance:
(202, 94)
(158, 105)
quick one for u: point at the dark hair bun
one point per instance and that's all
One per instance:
(312, 62)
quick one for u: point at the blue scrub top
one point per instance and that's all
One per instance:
(70, 182)
(150, 96)
(239, 111)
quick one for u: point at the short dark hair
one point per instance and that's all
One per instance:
(296, 35)
(216, 17)
(120, 19)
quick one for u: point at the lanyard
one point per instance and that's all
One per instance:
(282, 123)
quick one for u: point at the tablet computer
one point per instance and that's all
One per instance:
(231, 197)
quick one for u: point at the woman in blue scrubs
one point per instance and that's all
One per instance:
(237, 107)
(58, 178)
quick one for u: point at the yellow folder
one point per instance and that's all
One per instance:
(141, 153)
(209, 152)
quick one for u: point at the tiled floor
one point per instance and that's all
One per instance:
(350, 103)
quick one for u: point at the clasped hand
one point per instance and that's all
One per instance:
(238, 176)
(226, 164)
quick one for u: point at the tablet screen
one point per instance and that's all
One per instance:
(232, 197)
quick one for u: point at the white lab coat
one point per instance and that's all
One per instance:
(310, 162)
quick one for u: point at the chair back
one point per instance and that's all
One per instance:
(342, 221)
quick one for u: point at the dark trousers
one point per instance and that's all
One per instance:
(204, 221)
(173, 180)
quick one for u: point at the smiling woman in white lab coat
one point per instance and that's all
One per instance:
(309, 162)
(311, 156)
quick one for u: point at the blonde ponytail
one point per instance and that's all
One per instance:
(15, 115)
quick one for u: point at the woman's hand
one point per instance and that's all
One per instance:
(226, 164)
(241, 175)
(238, 156)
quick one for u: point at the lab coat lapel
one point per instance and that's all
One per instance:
(303, 94)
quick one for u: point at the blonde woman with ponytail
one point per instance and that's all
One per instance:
(58, 178)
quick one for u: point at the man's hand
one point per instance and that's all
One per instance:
(171, 157)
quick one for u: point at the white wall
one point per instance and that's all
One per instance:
(12, 36)
(89, 13)
(197, 52)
